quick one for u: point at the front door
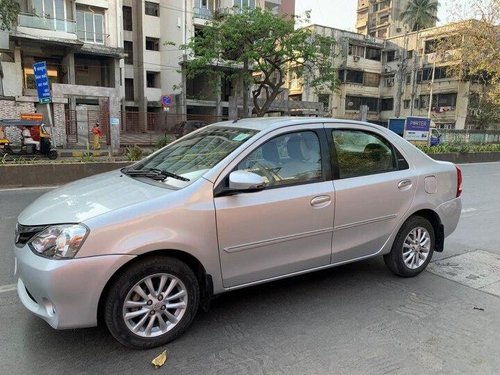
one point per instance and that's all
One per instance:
(285, 228)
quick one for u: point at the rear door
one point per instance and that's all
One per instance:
(374, 188)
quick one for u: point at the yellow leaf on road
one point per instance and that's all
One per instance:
(160, 360)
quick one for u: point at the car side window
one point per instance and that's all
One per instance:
(293, 158)
(362, 153)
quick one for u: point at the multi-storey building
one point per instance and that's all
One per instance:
(380, 18)
(153, 31)
(80, 41)
(393, 77)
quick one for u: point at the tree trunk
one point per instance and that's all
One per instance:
(245, 89)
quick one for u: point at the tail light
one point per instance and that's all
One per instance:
(459, 181)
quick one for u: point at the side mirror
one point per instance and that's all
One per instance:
(245, 181)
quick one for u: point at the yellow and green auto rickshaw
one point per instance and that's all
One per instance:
(35, 139)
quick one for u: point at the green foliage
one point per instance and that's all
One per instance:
(165, 140)
(262, 49)
(134, 153)
(420, 14)
(9, 9)
(87, 155)
(460, 147)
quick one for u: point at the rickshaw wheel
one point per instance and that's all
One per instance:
(52, 155)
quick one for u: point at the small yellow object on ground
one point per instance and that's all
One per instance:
(160, 360)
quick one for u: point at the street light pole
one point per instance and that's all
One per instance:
(432, 86)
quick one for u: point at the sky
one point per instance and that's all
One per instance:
(341, 14)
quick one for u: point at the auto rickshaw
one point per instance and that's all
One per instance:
(37, 133)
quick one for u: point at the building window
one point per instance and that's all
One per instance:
(90, 27)
(389, 81)
(407, 79)
(410, 54)
(390, 56)
(129, 52)
(382, 33)
(152, 9)
(129, 89)
(354, 76)
(325, 99)
(371, 79)
(386, 104)
(353, 103)
(51, 10)
(406, 104)
(244, 3)
(355, 50)
(152, 44)
(373, 53)
(153, 79)
(416, 103)
(127, 18)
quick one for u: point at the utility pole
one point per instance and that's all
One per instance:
(432, 86)
(401, 76)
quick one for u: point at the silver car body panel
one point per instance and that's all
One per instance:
(240, 240)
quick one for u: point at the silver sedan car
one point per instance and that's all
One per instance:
(231, 205)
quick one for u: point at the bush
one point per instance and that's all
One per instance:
(460, 147)
(165, 140)
(134, 153)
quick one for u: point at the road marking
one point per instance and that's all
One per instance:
(467, 210)
(30, 188)
(7, 288)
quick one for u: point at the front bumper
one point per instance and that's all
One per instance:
(65, 293)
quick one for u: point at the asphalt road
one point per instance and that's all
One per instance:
(354, 319)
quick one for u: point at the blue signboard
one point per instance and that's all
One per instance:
(417, 129)
(166, 100)
(42, 82)
(419, 124)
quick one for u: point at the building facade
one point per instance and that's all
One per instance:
(380, 18)
(393, 77)
(81, 43)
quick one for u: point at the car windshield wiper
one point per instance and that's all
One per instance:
(153, 173)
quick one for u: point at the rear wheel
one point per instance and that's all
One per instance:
(52, 155)
(152, 302)
(412, 249)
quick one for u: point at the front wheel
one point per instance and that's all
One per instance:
(412, 249)
(52, 155)
(152, 302)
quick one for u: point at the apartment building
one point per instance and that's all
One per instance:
(380, 18)
(80, 40)
(152, 32)
(393, 77)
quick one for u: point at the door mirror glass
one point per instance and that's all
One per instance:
(245, 181)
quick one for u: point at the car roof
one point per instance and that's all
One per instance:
(272, 123)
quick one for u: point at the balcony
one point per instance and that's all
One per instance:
(33, 21)
(202, 13)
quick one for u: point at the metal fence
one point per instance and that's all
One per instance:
(469, 136)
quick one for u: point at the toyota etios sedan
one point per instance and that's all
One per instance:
(230, 205)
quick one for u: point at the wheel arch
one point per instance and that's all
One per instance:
(204, 280)
(437, 225)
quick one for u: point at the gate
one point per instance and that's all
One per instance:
(71, 127)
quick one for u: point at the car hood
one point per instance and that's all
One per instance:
(87, 198)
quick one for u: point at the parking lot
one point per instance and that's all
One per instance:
(354, 319)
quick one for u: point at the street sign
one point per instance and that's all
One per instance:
(166, 100)
(42, 82)
(417, 129)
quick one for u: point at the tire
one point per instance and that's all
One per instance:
(135, 277)
(408, 259)
(52, 155)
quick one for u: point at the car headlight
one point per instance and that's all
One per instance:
(60, 241)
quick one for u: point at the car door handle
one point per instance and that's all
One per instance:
(404, 184)
(321, 201)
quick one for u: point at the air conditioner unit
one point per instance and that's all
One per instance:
(356, 58)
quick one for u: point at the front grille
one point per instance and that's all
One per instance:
(24, 233)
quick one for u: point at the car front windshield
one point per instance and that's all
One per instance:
(185, 161)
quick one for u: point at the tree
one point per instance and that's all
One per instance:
(9, 9)
(261, 49)
(420, 14)
(472, 53)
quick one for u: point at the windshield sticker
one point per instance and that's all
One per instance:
(241, 137)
